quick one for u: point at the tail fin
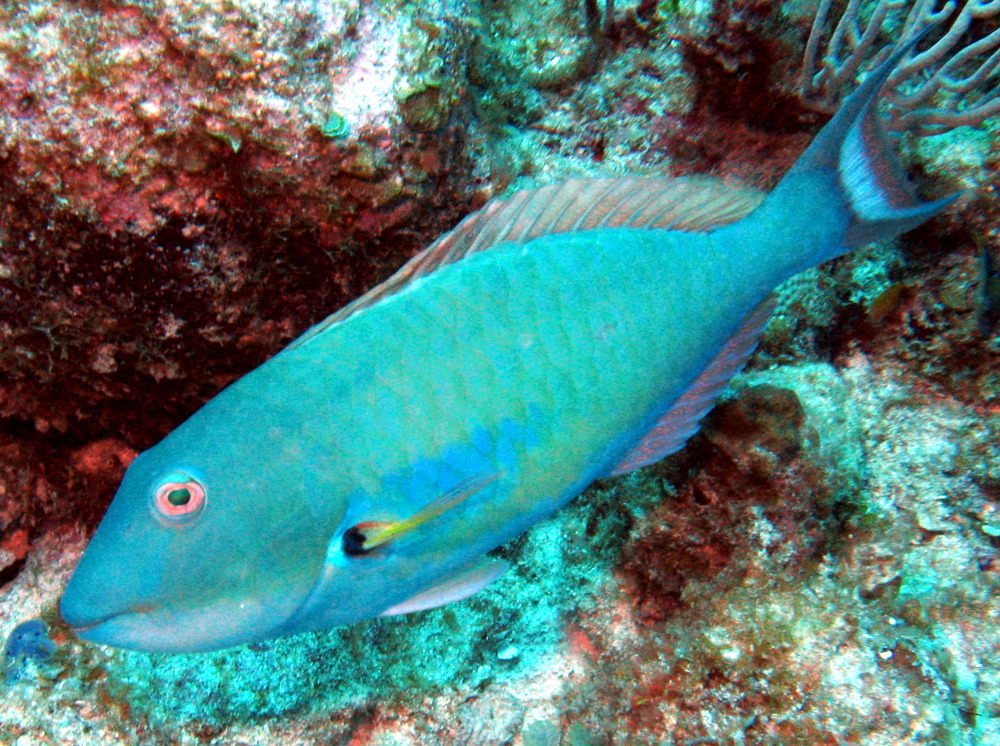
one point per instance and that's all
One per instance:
(854, 145)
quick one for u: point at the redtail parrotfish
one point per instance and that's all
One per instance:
(558, 335)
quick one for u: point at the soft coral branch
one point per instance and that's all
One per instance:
(945, 86)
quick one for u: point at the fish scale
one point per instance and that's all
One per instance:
(560, 373)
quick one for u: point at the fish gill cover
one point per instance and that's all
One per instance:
(818, 565)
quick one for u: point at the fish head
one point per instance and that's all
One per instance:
(200, 552)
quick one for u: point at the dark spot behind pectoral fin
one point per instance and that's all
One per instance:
(454, 587)
(673, 429)
(688, 203)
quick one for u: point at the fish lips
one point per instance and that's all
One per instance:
(113, 631)
(154, 628)
(152, 632)
(124, 629)
(119, 630)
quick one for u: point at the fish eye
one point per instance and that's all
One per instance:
(180, 497)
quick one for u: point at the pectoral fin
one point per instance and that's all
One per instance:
(454, 587)
(373, 534)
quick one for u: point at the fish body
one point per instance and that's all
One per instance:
(368, 467)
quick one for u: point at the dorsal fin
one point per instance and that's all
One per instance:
(687, 203)
(682, 420)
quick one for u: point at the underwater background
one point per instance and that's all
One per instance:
(185, 186)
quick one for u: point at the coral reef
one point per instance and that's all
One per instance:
(186, 184)
(172, 174)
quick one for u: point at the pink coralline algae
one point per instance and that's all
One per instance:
(135, 115)
(170, 182)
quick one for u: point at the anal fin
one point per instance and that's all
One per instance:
(673, 429)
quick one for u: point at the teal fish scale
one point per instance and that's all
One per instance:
(552, 340)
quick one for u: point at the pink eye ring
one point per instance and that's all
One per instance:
(179, 498)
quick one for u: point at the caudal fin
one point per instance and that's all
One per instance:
(881, 201)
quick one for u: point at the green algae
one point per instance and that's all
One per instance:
(521, 47)
(541, 733)
(432, 77)
(335, 126)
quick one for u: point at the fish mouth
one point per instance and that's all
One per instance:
(125, 628)
(83, 630)
(161, 630)
(107, 630)
(131, 630)
(83, 626)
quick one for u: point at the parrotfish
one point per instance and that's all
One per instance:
(558, 335)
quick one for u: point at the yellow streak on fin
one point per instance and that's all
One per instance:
(462, 491)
